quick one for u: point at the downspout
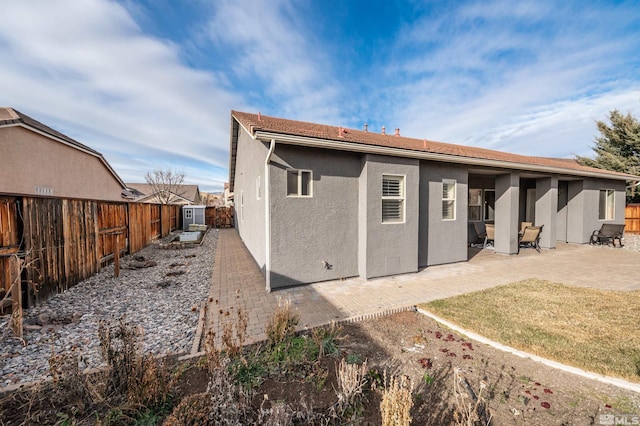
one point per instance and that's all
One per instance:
(267, 216)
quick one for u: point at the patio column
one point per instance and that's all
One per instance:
(507, 203)
(547, 210)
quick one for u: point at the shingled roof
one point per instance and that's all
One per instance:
(257, 124)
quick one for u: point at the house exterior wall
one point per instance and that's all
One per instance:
(563, 208)
(442, 241)
(314, 238)
(583, 207)
(387, 248)
(250, 211)
(547, 210)
(507, 213)
(30, 160)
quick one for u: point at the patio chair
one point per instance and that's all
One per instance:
(490, 231)
(530, 238)
(523, 225)
(608, 233)
(477, 233)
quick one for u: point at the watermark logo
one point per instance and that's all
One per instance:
(619, 419)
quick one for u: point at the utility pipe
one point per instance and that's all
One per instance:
(267, 216)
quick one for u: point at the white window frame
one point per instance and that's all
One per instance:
(607, 208)
(188, 213)
(300, 173)
(258, 188)
(398, 198)
(447, 200)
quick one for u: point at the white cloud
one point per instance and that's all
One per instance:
(87, 65)
(523, 78)
(269, 42)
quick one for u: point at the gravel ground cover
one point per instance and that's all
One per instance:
(161, 291)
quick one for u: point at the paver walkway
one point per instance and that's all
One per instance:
(238, 283)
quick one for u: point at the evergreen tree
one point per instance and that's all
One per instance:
(618, 148)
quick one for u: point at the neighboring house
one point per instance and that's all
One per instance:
(181, 194)
(212, 199)
(39, 161)
(320, 202)
(227, 195)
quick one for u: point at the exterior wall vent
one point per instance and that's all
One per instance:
(44, 190)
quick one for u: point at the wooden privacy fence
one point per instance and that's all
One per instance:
(64, 241)
(632, 219)
(219, 217)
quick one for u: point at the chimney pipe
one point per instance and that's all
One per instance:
(384, 130)
(259, 116)
(340, 131)
(397, 132)
(424, 143)
(366, 127)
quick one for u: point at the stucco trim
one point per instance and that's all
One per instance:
(405, 153)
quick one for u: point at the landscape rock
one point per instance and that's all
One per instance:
(144, 297)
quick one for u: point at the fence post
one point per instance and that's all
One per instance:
(16, 296)
(116, 261)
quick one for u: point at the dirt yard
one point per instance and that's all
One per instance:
(518, 391)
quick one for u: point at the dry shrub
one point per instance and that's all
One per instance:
(471, 409)
(397, 401)
(230, 344)
(192, 410)
(234, 335)
(230, 404)
(326, 338)
(138, 379)
(282, 324)
(282, 414)
(351, 379)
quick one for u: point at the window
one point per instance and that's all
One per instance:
(475, 205)
(188, 213)
(258, 188)
(392, 199)
(299, 183)
(606, 210)
(448, 199)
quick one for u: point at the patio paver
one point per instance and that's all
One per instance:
(238, 282)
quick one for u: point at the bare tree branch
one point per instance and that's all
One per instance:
(166, 184)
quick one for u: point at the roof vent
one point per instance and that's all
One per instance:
(366, 127)
(397, 132)
(424, 143)
(259, 116)
(341, 131)
(384, 130)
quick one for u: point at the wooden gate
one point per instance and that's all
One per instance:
(632, 219)
(219, 217)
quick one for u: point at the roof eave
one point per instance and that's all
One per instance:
(423, 155)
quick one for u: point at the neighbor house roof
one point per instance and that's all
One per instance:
(10, 117)
(320, 135)
(187, 192)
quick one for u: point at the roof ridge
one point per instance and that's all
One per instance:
(254, 122)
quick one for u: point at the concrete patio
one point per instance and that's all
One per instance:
(238, 283)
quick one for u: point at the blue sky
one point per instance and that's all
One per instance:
(151, 83)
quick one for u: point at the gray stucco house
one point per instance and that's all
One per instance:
(316, 202)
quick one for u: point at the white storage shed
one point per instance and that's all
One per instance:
(192, 215)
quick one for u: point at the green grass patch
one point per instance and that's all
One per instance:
(596, 330)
